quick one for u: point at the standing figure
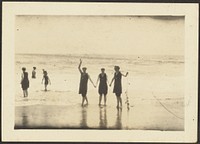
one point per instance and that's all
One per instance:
(24, 82)
(46, 80)
(34, 73)
(118, 85)
(83, 83)
(103, 87)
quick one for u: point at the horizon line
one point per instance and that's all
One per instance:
(100, 54)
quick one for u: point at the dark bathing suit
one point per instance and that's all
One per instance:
(46, 80)
(83, 84)
(103, 88)
(33, 74)
(25, 81)
(117, 84)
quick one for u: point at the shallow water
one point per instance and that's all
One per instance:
(149, 76)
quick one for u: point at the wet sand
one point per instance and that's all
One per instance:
(60, 107)
(144, 114)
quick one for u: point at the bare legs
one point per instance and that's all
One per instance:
(100, 98)
(104, 99)
(119, 100)
(45, 87)
(84, 98)
(25, 92)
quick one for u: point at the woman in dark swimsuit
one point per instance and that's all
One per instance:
(118, 85)
(84, 83)
(103, 87)
(25, 82)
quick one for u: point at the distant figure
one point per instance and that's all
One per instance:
(46, 80)
(84, 83)
(118, 85)
(24, 82)
(103, 87)
(34, 73)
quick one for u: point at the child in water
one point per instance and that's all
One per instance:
(83, 83)
(118, 85)
(103, 87)
(24, 82)
(46, 80)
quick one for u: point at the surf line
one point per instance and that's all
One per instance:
(167, 108)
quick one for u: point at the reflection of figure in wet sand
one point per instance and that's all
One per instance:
(83, 123)
(102, 118)
(118, 123)
(24, 117)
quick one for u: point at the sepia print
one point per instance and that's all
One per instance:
(99, 72)
(149, 48)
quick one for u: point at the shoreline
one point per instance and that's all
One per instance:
(144, 115)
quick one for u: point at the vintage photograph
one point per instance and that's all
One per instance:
(99, 72)
(103, 72)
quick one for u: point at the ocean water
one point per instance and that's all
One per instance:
(154, 87)
(162, 76)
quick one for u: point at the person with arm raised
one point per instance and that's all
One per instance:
(118, 85)
(83, 83)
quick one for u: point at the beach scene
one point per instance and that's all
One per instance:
(151, 106)
(150, 49)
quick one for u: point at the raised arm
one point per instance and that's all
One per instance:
(79, 66)
(125, 74)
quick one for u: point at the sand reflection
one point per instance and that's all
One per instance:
(24, 118)
(118, 123)
(83, 122)
(102, 118)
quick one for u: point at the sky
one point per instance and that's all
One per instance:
(124, 35)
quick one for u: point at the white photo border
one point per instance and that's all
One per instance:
(11, 9)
